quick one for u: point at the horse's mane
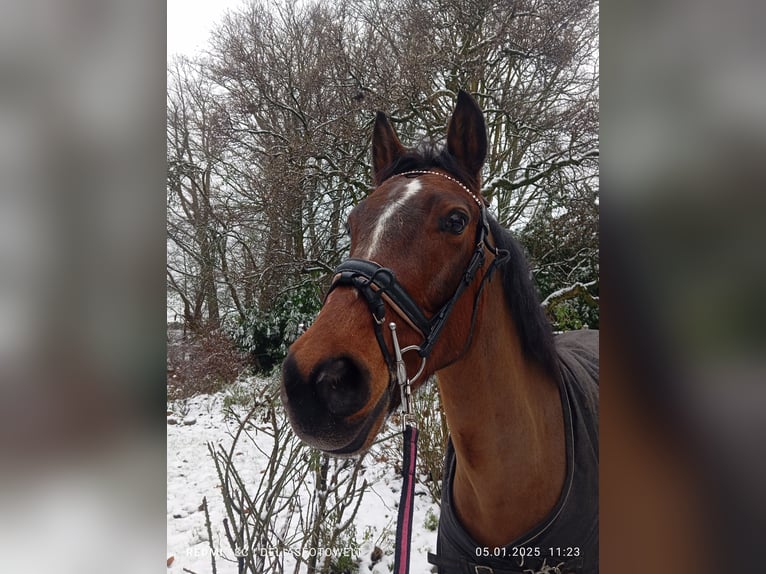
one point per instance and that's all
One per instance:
(521, 296)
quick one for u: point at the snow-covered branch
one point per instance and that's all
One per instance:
(575, 290)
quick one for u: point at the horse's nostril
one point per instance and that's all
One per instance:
(342, 385)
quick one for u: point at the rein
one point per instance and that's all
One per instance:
(379, 286)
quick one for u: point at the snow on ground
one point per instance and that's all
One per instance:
(191, 475)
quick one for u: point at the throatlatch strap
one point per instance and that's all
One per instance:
(406, 502)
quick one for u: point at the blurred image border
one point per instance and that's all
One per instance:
(82, 254)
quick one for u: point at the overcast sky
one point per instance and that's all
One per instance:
(190, 23)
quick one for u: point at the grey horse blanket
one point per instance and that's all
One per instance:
(567, 540)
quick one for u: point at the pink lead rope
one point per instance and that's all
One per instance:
(407, 500)
(406, 503)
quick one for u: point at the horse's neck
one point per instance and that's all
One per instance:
(506, 424)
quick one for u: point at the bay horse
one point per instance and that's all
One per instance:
(521, 470)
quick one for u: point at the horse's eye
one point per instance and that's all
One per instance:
(455, 222)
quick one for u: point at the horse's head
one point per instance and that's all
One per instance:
(425, 222)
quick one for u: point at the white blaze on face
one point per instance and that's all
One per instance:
(410, 190)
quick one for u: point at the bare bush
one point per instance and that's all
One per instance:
(303, 499)
(201, 363)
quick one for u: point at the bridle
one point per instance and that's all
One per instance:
(379, 286)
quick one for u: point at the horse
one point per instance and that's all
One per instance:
(521, 467)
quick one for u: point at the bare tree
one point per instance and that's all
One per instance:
(194, 143)
(276, 150)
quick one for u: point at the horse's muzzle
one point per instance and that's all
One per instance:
(322, 405)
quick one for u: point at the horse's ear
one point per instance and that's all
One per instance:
(386, 147)
(467, 135)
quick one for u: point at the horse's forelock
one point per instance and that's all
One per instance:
(429, 156)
